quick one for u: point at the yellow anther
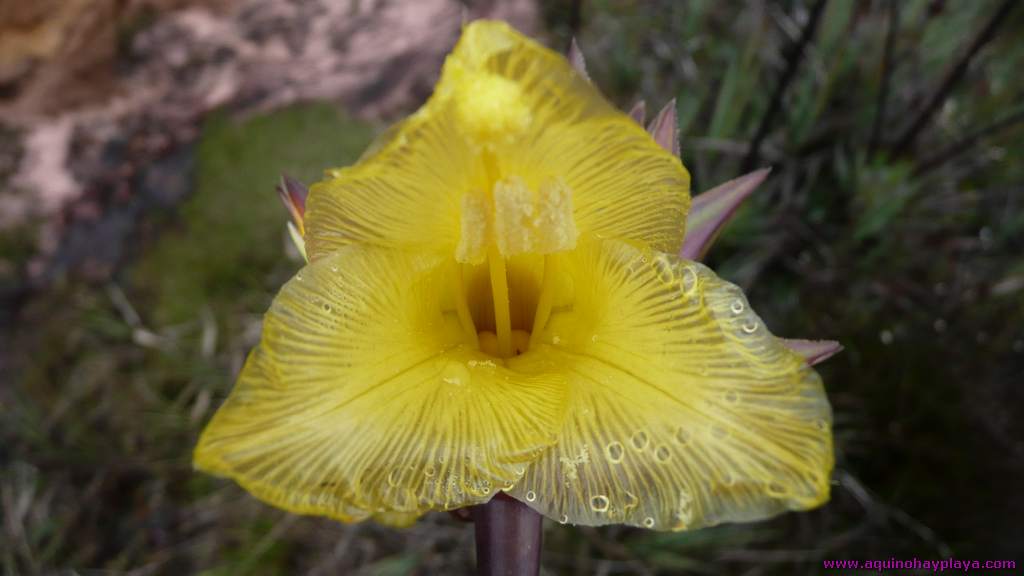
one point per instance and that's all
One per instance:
(538, 222)
(474, 230)
(517, 220)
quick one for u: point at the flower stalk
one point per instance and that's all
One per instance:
(508, 538)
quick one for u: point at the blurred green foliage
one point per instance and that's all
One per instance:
(913, 259)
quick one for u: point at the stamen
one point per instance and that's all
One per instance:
(462, 306)
(499, 291)
(547, 295)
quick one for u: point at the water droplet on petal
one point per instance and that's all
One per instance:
(776, 489)
(428, 471)
(456, 374)
(531, 496)
(749, 327)
(393, 477)
(663, 267)
(639, 440)
(631, 501)
(614, 452)
(662, 454)
(683, 436)
(687, 280)
(737, 307)
(648, 522)
(732, 397)
(599, 503)
(564, 519)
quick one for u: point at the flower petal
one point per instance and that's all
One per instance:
(683, 410)
(562, 130)
(362, 399)
(713, 209)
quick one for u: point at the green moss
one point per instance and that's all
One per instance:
(231, 237)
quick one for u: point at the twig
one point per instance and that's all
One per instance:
(793, 57)
(953, 77)
(969, 141)
(883, 91)
(508, 538)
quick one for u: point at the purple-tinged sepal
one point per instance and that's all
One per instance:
(639, 112)
(665, 128)
(710, 211)
(813, 351)
(293, 194)
(579, 64)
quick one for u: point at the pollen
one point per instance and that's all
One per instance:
(491, 108)
(518, 220)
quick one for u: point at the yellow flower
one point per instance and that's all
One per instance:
(494, 303)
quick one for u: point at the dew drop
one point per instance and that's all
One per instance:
(564, 519)
(662, 454)
(664, 269)
(749, 327)
(599, 503)
(455, 373)
(639, 440)
(732, 397)
(737, 307)
(728, 479)
(821, 425)
(688, 280)
(593, 338)
(776, 489)
(428, 471)
(393, 477)
(531, 496)
(631, 501)
(334, 269)
(683, 436)
(614, 452)
(648, 522)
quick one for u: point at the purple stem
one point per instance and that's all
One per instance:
(508, 538)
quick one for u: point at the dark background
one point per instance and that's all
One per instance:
(141, 242)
